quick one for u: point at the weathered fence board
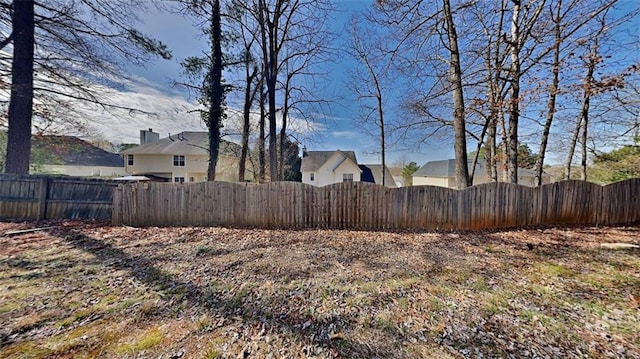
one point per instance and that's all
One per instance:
(359, 205)
(620, 202)
(37, 197)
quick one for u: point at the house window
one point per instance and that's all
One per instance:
(178, 160)
(178, 179)
(347, 177)
(130, 160)
(312, 177)
(192, 179)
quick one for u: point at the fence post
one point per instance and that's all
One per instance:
(116, 206)
(42, 197)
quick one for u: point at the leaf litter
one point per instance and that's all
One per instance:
(88, 289)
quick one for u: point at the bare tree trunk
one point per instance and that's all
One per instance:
(585, 128)
(583, 119)
(495, 100)
(261, 136)
(21, 101)
(273, 155)
(593, 60)
(460, 140)
(270, 28)
(215, 91)
(281, 144)
(514, 93)
(504, 146)
(249, 95)
(490, 151)
(283, 129)
(369, 87)
(382, 139)
(553, 92)
(492, 123)
(572, 148)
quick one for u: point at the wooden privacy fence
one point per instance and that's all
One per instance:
(32, 197)
(360, 205)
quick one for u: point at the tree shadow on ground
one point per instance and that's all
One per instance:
(305, 328)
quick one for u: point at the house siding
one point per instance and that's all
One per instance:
(431, 181)
(332, 171)
(80, 171)
(450, 182)
(195, 166)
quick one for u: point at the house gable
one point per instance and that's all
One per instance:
(332, 170)
(159, 158)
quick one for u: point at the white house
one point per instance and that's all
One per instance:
(443, 174)
(320, 168)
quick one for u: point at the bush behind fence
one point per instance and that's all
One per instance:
(358, 205)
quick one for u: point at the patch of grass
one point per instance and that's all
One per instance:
(75, 317)
(203, 323)
(370, 287)
(147, 340)
(9, 306)
(479, 284)
(384, 322)
(235, 302)
(202, 249)
(551, 270)
(26, 349)
(212, 353)
(127, 303)
(496, 302)
(404, 283)
(541, 290)
(403, 303)
(435, 304)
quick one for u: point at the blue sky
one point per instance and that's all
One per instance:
(339, 129)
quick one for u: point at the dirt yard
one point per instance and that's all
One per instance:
(86, 290)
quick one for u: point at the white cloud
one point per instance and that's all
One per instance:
(344, 134)
(164, 112)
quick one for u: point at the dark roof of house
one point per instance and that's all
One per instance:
(183, 143)
(71, 151)
(313, 160)
(447, 168)
(444, 168)
(373, 174)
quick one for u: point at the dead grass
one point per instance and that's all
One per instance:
(85, 289)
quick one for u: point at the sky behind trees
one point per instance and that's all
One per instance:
(338, 126)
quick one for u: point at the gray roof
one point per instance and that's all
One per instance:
(183, 143)
(313, 160)
(373, 174)
(71, 151)
(444, 168)
(447, 168)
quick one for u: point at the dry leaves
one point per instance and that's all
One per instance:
(91, 290)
